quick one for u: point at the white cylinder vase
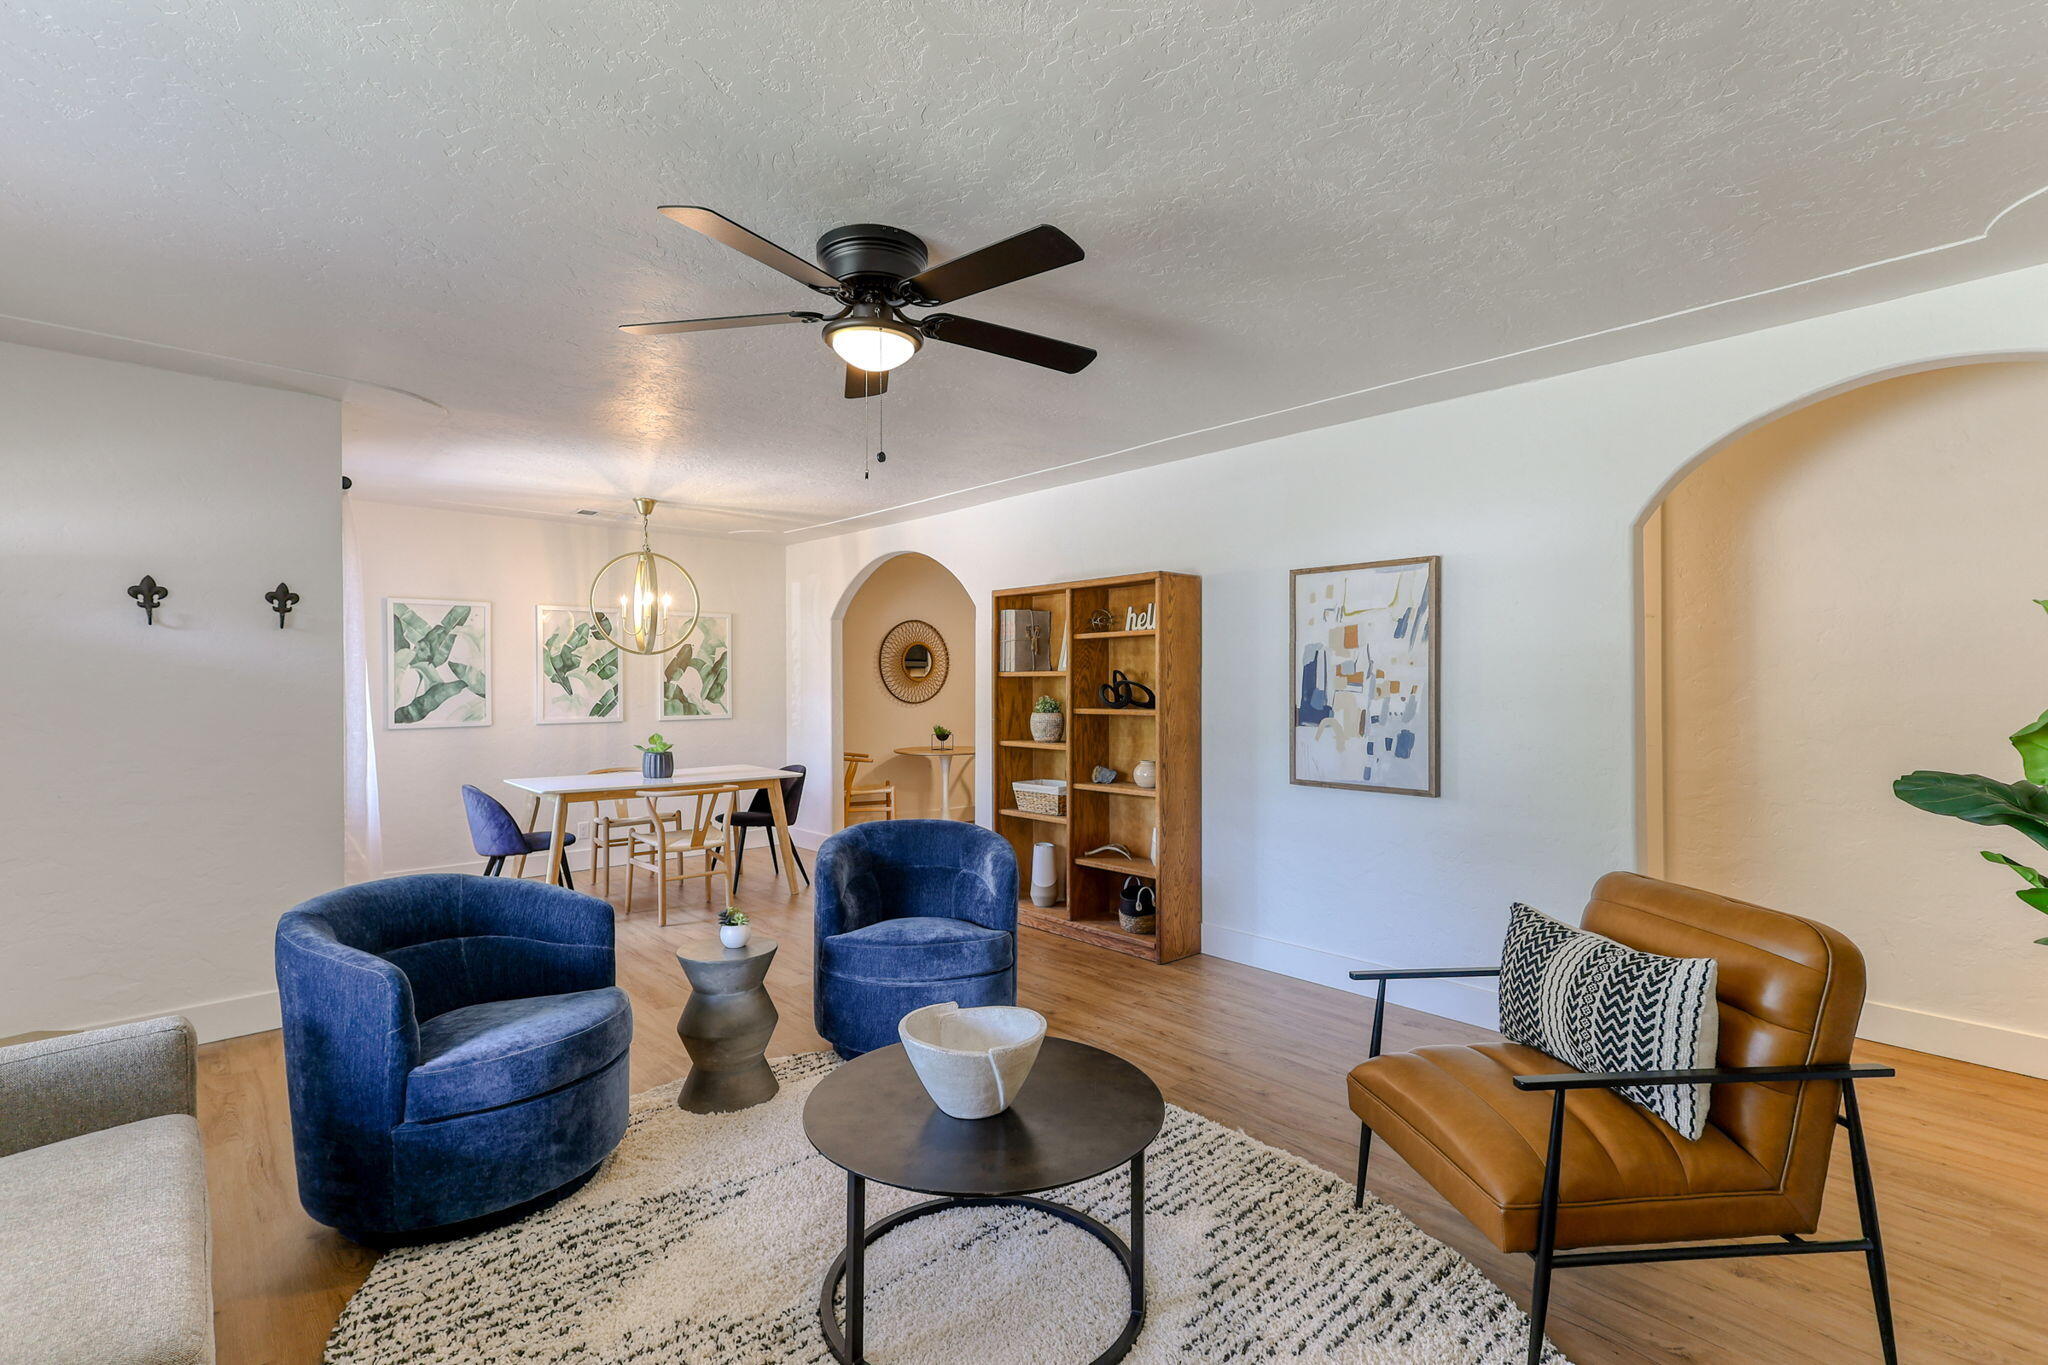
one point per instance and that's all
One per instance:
(1045, 875)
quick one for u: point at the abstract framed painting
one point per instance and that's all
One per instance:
(696, 679)
(437, 664)
(580, 670)
(1365, 642)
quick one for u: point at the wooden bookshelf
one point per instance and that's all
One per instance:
(1167, 658)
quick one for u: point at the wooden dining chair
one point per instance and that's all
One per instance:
(668, 847)
(860, 801)
(615, 830)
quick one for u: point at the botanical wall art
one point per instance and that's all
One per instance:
(438, 671)
(696, 680)
(1365, 708)
(580, 670)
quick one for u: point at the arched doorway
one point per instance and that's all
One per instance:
(878, 715)
(1830, 598)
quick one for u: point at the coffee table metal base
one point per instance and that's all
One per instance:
(850, 1265)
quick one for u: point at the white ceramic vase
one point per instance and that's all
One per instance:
(734, 935)
(1146, 774)
(1045, 877)
(974, 1061)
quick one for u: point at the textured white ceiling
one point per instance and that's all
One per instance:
(1281, 204)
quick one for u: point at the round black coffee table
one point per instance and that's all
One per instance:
(1082, 1112)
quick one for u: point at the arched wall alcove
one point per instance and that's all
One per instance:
(1835, 594)
(868, 718)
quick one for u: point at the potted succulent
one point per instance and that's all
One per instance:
(942, 738)
(1047, 723)
(732, 927)
(657, 758)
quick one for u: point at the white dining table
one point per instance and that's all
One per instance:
(567, 790)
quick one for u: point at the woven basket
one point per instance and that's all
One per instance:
(1040, 799)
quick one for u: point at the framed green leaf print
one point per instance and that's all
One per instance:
(437, 663)
(581, 673)
(696, 680)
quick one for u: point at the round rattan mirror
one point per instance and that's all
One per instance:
(913, 661)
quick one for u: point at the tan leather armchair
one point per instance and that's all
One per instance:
(1543, 1159)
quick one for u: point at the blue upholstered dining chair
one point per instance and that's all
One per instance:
(496, 836)
(910, 913)
(455, 1051)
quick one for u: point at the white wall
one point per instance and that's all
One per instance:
(516, 564)
(1531, 495)
(1848, 596)
(908, 587)
(170, 788)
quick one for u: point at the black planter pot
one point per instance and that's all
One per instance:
(654, 765)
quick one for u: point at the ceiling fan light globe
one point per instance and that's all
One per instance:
(875, 349)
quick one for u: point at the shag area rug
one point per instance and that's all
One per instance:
(705, 1237)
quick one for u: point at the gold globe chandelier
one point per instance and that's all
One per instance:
(646, 620)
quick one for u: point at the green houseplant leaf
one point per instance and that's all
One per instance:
(2032, 876)
(2032, 743)
(1980, 800)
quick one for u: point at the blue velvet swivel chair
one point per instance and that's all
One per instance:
(911, 913)
(455, 1050)
(496, 836)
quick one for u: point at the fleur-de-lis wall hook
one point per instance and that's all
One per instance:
(149, 597)
(281, 601)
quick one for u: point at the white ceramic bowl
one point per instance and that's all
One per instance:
(972, 1061)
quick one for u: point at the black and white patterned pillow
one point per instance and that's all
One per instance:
(1599, 1005)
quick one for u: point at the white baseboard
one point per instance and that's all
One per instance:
(1967, 1040)
(214, 1020)
(1470, 1002)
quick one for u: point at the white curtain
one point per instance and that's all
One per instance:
(363, 852)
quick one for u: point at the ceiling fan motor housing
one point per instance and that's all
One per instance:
(871, 253)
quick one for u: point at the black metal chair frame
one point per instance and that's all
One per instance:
(493, 866)
(739, 833)
(1548, 1258)
(739, 861)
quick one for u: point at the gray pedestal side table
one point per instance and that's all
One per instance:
(726, 1023)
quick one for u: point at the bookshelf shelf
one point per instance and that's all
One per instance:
(1166, 658)
(1124, 867)
(1044, 819)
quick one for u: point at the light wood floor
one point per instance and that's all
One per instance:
(1960, 1152)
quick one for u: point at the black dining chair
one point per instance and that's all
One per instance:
(497, 836)
(757, 815)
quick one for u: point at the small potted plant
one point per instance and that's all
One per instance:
(1047, 724)
(942, 738)
(732, 927)
(657, 758)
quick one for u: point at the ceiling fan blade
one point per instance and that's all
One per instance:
(1007, 341)
(1041, 249)
(719, 324)
(866, 383)
(726, 232)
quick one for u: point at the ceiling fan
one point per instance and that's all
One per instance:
(874, 272)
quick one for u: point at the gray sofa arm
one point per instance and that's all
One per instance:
(58, 1088)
